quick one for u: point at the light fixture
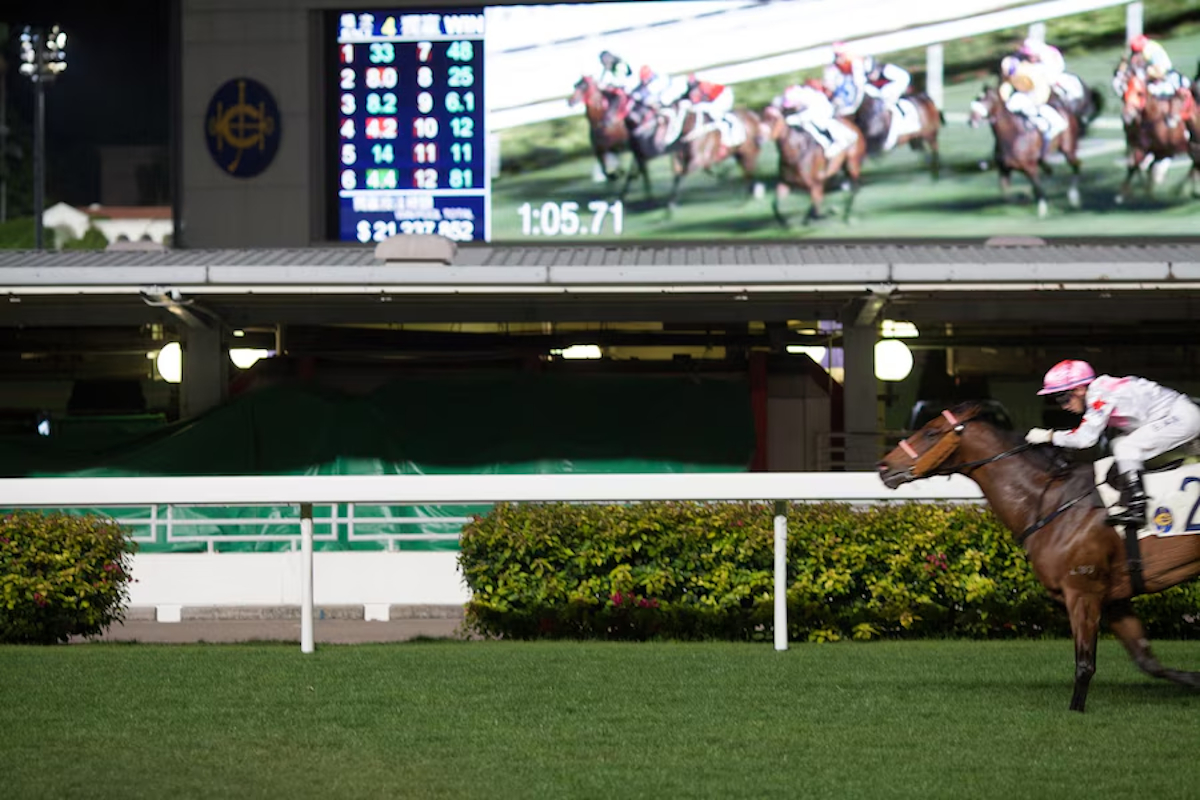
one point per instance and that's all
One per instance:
(579, 351)
(43, 58)
(815, 352)
(247, 357)
(169, 362)
(896, 329)
(893, 360)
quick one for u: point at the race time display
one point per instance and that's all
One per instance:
(411, 131)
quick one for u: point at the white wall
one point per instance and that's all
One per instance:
(271, 579)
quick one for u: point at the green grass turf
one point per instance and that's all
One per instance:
(898, 199)
(948, 719)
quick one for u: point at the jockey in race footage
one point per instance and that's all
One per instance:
(1053, 65)
(807, 106)
(1026, 90)
(616, 73)
(711, 102)
(656, 89)
(1150, 420)
(1162, 79)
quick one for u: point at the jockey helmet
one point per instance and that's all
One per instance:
(1022, 82)
(1138, 43)
(646, 74)
(1066, 375)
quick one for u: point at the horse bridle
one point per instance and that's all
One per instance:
(930, 462)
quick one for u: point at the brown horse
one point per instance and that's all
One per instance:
(1019, 146)
(1148, 136)
(701, 146)
(1075, 554)
(803, 164)
(874, 119)
(608, 132)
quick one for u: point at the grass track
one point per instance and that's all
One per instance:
(898, 198)
(588, 720)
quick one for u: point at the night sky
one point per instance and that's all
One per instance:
(115, 90)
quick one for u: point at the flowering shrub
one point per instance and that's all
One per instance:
(706, 571)
(60, 576)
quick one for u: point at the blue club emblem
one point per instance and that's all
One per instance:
(242, 127)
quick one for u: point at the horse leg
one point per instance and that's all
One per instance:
(638, 166)
(673, 200)
(1038, 194)
(935, 159)
(1128, 628)
(1083, 607)
(817, 194)
(781, 192)
(1073, 192)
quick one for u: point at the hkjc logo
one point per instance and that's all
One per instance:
(1163, 521)
(242, 127)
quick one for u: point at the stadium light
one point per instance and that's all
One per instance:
(247, 357)
(169, 362)
(43, 58)
(893, 360)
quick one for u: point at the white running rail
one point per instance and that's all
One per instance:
(306, 491)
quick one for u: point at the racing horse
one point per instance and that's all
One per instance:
(702, 145)
(651, 132)
(1148, 136)
(1019, 146)
(874, 119)
(607, 127)
(1051, 509)
(803, 165)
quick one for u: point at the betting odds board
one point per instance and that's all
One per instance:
(411, 129)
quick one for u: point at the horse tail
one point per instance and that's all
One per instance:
(1097, 103)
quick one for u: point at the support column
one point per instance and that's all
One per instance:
(205, 371)
(860, 392)
(1134, 21)
(935, 73)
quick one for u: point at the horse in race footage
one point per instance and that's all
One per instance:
(1019, 146)
(875, 120)
(1053, 511)
(606, 122)
(804, 165)
(1148, 135)
(693, 143)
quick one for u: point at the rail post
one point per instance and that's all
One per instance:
(306, 578)
(781, 629)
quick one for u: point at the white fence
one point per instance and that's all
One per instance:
(308, 490)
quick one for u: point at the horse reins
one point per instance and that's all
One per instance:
(929, 463)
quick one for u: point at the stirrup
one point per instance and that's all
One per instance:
(1135, 517)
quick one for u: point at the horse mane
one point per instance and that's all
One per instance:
(1051, 460)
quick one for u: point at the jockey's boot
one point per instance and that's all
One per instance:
(1046, 141)
(1133, 498)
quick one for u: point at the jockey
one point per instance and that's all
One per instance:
(1054, 66)
(845, 79)
(888, 82)
(715, 99)
(657, 90)
(807, 106)
(1150, 419)
(1027, 92)
(616, 74)
(1162, 79)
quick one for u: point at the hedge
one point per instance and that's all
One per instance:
(706, 571)
(60, 576)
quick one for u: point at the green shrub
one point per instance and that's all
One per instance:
(706, 571)
(60, 576)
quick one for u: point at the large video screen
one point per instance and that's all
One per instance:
(756, 119)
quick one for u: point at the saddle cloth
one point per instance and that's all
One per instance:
(730, 126)
(906, 119)
(1174, 505)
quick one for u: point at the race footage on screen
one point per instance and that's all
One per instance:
(731, 119)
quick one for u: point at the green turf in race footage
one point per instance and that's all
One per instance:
(551, 162)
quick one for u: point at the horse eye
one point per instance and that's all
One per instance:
(930, 434)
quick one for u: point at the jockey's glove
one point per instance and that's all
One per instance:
(1039, 435)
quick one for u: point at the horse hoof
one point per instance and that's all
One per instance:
(1042, 209)
(759, 191)
(1073, 197)
(984, 166)
(1119, 199)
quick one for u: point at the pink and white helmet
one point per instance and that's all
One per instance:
(1066, 375)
